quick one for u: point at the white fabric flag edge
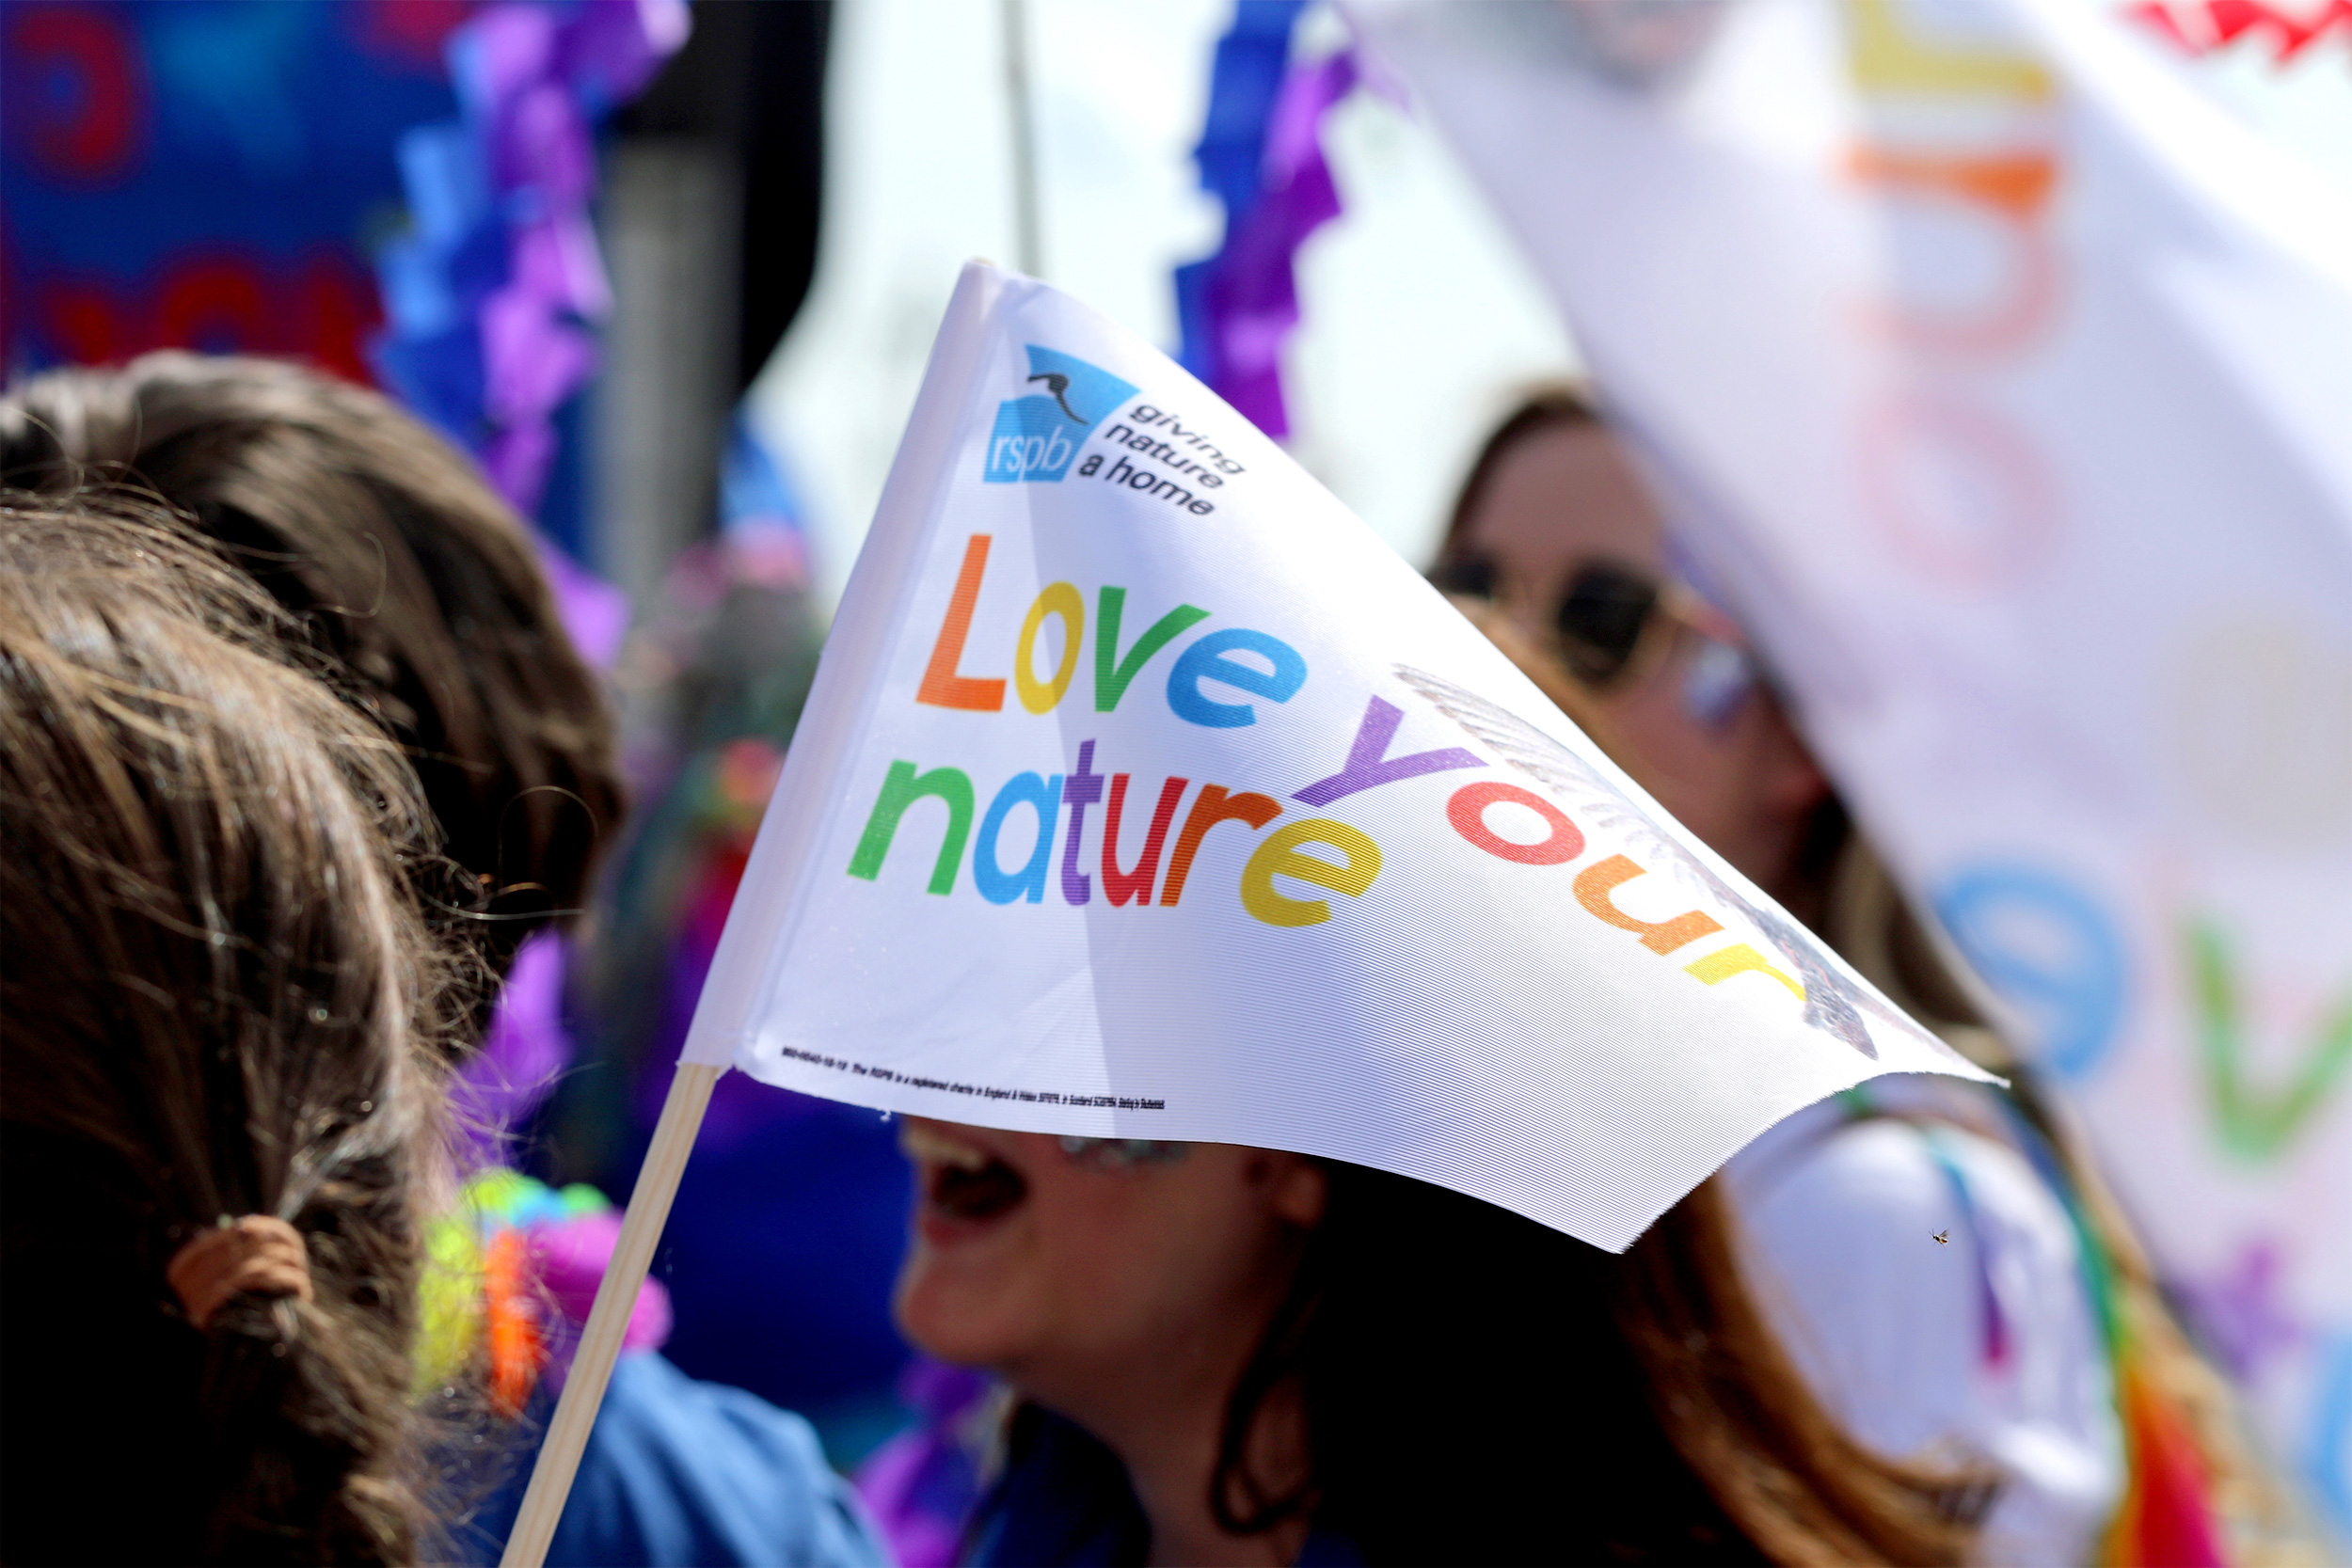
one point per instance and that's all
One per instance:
(794, 822)
(742, 970)
(762, 931)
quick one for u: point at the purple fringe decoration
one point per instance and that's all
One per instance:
(1260, 153)
(922, 1485)
(488, 301)
(521, 1055)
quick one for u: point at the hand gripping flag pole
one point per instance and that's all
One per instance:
(852, 654)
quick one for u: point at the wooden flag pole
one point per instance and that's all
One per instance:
(854, 652)
(608, 1321)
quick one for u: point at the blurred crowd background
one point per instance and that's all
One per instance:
(759, 251)
(673, 277)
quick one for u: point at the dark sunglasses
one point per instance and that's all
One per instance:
(1600, 619)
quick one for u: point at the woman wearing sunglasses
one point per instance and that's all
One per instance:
(1553, 530)
(1937, 1259)
(1872, 1343)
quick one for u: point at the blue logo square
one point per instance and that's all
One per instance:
(1037, 437)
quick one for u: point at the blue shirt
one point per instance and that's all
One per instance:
(694, 1475)
(1064, 1502)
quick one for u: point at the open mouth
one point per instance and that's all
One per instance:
(960, 1180)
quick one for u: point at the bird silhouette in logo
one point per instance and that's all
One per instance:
(1833, 1003)
(1058, 384)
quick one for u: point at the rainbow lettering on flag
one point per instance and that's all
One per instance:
(1154, 797)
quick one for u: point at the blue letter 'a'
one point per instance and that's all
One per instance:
(998, 885)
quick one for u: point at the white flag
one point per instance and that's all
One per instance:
(2006, 386)
(1144, 793)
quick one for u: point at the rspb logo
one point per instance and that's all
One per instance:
(1037, 436)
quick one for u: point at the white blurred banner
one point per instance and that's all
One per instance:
(2004, 384)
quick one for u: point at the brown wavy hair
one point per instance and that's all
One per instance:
(219, 1000)
(1551, 406)
(395, 560)
(1869, 920)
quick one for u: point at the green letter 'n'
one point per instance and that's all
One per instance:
(1112, 673)
(902, 789)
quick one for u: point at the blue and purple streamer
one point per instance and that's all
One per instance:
(1260, 153)
(489, 299)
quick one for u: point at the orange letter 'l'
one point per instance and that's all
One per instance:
(942, 687)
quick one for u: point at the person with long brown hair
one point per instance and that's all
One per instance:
(2029, 1336)
(413, 589)
(1237, 1356)
(221, 1102)
(399, 563)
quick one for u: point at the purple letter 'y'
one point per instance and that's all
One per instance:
(1370, 765)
